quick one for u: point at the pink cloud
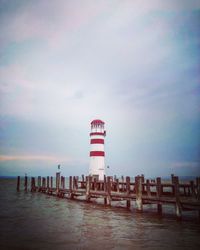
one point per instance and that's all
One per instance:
(55, 159)
(48, 158)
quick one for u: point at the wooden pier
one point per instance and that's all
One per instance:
(184, 196)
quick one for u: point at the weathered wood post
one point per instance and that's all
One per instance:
(70, 188)
(18, 183)
(192, 188)
(188, 189)
(105, 189)
(128, 202)
(142, 176)
(117, 185)
(51, 182)
(184, 191)
(39, 183)
(159, 193)
(88, 186)
(122, 183)
(33, 188)
(198, 187)
(82, 181)
(47, 183)
(138, 190)
(70, 183)
(63, 182)
(43, 183)
(31, 184)
(108, 191)
(57, 183)
(198, 193)
(172, 180)
(95, 184)
(176, 192)
(25, 183)
(148, 187)
(77, 182)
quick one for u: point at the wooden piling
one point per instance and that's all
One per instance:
(105, 189)
(138, 189)
(176, 191)
(122, 183)
(18, 183)
(108, 190)
(57, 183)
(192, 188)
(63, 182)
(142, 177)
(128, 202)
(172, 180)
(70, 183)
(43, 182)
(31, 184)
(82, 181)
(82, 176)
(73, 182)
(88, 186)
(33, 188)
(77, 182)
(117, 185)
(39, 183)
(159, 193)
(148, 189)
(198, 188)
(70, 187)
(48, 182)
(51, 182)
(25, 183)
(95, 184)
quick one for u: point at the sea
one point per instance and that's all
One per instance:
(40, 221)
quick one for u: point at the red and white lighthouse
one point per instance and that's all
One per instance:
(97, 154)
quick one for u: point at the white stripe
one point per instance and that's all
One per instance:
(97, 147)
(93, 130)
(97, 137)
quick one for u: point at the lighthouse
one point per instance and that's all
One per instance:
(97, 154)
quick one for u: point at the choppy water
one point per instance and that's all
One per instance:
(38, 221)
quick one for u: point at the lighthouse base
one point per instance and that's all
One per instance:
(97, 167)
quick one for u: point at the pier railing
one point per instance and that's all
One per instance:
(183, 195)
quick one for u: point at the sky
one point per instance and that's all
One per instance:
(133, 64)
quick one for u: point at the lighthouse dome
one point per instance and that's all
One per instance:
(97, 121)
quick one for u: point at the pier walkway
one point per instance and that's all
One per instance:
(184, 196)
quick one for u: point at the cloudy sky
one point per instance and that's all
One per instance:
(133, 64)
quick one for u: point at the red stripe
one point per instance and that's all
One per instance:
(97, 153)
(98, 141)
(97, 133)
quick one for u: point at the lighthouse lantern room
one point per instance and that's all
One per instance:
(97, 154)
